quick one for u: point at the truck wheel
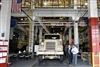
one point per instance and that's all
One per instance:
(40, 58)
(61, 58)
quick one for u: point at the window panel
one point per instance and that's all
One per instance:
(98, 4)
(61, 3)
(82, 4)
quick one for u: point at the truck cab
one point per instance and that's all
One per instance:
(51, 47)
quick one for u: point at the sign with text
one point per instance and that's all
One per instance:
(3, 48)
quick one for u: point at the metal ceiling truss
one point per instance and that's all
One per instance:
(54, 13)
(44, 24)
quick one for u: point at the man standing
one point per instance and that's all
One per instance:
(74, 52)
(69, 54)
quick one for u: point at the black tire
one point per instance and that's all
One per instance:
(40, 58)
(61, 58)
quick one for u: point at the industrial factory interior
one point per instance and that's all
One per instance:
(26, 27)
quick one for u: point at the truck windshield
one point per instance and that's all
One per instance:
(52, 37)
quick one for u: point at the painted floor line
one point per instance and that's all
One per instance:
(33, 64)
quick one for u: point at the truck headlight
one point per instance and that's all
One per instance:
(42, 43)
(59, 49)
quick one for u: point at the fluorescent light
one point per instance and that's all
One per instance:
(21, 18)
(27, 3)
(45, 3)
(86, 3)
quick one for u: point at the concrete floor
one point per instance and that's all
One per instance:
(47, 63)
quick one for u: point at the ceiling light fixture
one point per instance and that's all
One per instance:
(86, 3)
(45, 3)
(27, 3)
(21, 18)
(0, 3)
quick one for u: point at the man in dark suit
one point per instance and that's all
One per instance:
(69, 54)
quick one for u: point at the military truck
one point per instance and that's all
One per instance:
(51, 47)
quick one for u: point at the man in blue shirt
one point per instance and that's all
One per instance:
(69, 54)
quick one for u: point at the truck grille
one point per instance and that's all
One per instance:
(50, 45)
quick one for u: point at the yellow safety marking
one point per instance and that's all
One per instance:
(33, 64)
(99, 59)
(93, 64)
(93, 59)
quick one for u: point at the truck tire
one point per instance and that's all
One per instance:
(40, 58)
(61, 58)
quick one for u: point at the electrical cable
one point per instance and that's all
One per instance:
(85, 13)
(27, 15)
(79, 12)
